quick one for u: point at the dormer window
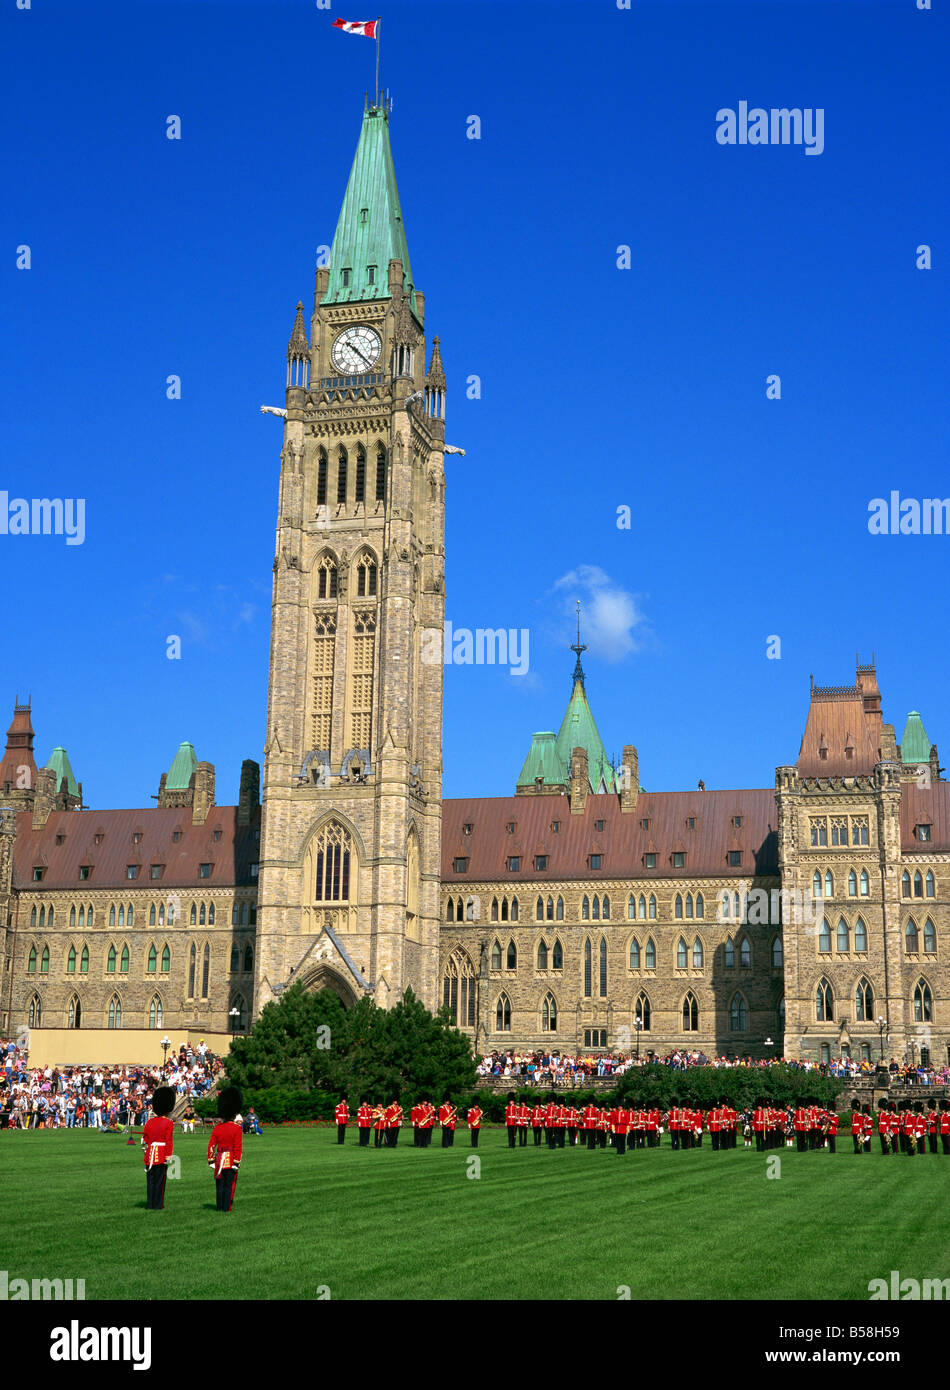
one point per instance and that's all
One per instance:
(98, 838)
(510, 828)
(60, 839)
(922, 832)
(645, 824)
(555, 826)
(460, 865)
(364, 215)
(216, 835)
(540, 861)
(156, 870)
(176, 836)
(514, 864)
(346, 278)
(679, 859)
(649, 861)
(735, 858)
(598, 825)
(467, 828)
(737, 822)
(84, 871)
(204, 870)
(595, 861)
(371, 275)
(38, 872)
(136, 837)
(131, 870)
(690, 822)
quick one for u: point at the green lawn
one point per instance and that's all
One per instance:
(410, 1224)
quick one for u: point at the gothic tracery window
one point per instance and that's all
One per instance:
(332, 860)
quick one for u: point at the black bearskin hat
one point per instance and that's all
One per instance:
(229, 1103)
(163, 1100)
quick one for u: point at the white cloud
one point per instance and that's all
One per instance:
(612, 623)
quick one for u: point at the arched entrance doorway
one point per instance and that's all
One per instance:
(323, 976)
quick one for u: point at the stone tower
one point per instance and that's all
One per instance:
(349, 874)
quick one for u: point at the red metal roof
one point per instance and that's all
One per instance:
(925, 805)
(231, 855)
(623, 841)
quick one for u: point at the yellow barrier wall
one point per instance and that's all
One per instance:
(71, 1047)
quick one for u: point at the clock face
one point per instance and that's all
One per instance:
(356, 350)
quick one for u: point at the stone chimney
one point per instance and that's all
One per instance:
(250, 794)
(203, 793)
(45, 799)
(629, 779)
(580, 781)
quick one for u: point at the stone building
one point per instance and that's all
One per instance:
(580, 912)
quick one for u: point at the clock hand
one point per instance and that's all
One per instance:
(355, 349)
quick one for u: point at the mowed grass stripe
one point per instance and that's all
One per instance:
(409, 1224)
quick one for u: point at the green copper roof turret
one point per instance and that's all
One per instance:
(184, 764)
(915, 745)
(370, 231)
(59, 762)
(543, 761)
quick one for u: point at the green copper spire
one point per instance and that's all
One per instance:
(370, 232)
(915, 745)
(184, 764)
(59, 762)
(579, 730)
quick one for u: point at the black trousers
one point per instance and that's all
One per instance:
(945, 1141)
(759, 1141)
(621, 1142)
(603, 1138)
(572, 1133)
(831, 1143)
(448, 1138)
(857, 1143)
(522, 1136)
(340, 1133)
(932, 1141)
(475, 1134)
(511, 1136)
(591, 1138)
(537, 1136)
(364, 1137)
(377, 1137)
(155, 1186)
(885, 1147)
(225, 1189)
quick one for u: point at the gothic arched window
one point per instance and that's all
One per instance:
(503, 1014)
(697, 954)
(549, 1014)
(74, 1013)
(542, 955)
(649, 955)
(690, 1013)
(923, 1003)
(738, 1014)
(603, 967)
(332, 861)
(380, 473)
(634, 954)
(588, 975)
(824, 1002)
(642, 1011)
(860, 935)
(155, 1012)
(458, 989)
(911, 937)
(115, 1012)
(511, 957)
(864, 1002)
(557, 957)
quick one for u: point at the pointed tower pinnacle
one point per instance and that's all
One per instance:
(579, 647)
(370, 232)
(298, 345)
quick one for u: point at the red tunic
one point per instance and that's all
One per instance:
(224, 1146)
(474, 1118)
(158, 1136)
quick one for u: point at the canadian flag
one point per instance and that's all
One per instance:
(357, 26)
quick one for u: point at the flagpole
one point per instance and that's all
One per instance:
(378, 23)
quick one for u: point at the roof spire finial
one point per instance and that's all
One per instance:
(579, 647)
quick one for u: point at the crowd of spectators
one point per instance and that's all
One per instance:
(109, 1097)
(563, 1069)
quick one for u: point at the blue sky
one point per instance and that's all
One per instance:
(601, 387)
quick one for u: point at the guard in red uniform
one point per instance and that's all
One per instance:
(524, 1116)
(342, 1114)
(158, 1139)
(537, 1124)
(364, 1120)
(857, 1129)
(758, 1126)
(474, 1118)
(932, 1128)
(224, 1147)
(943, 1118)
(589, 1125)
(512, 1119)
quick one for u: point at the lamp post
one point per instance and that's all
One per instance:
(166, 1044)
(234, 1014)
(769, 1042)
(882, 1030)
(638, 1024)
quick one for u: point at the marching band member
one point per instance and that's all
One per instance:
(364, 1120)
(342, 1114)
(537, 1123)
(474, 1118)
(447, 1118)
(524, 1116)
(511, 1119)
